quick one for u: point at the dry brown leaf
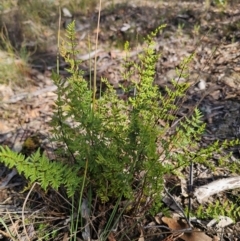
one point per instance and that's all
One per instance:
(34, 113)
(5, 234)
(111, 237)
(3, 127)
(65, 237)
(97, 30)
(141, 238)
(195, 235)
(174, 224)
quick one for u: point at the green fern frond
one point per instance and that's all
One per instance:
(217, 209)
(38, 168)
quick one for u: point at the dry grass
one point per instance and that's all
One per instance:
(29, 26)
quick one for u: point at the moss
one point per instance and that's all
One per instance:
(31, 144)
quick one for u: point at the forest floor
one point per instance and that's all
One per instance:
(28, 56)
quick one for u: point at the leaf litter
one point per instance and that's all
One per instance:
(214, 74)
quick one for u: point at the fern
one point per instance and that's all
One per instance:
(118, 148)
(217, 209)
(38, 168)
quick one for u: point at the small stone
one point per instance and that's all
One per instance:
(66, 13)
(202, 84)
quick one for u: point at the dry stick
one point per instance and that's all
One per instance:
(13, 224)
(6, 235)
(9, 232)
(95, 59)
(203, 192)
(89, 59)
(24, 205)
(58, 38)
(188, 221)
(190, 189)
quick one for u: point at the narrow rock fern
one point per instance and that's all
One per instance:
(111, 146)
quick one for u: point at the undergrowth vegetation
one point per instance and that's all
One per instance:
(217, 209)
(113, 149)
